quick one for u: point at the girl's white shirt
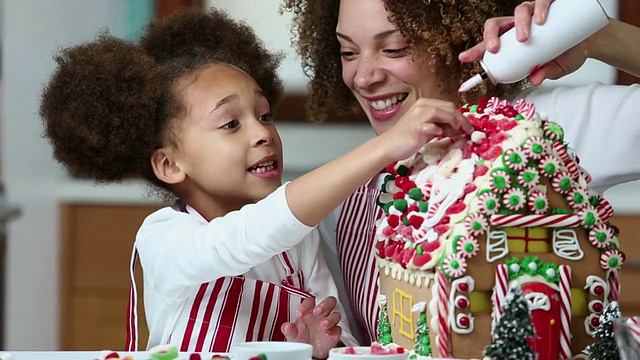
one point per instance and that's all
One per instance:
(180, 251)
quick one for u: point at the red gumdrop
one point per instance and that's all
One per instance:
(506, 124)
(113, 355)
(350, 350)
(493, 153)
(441, 229)
(480, 170)
(420, 260)
(498, 138)
(413, 207)
(393, 220)
(194, 356)
(391, 169)
(430, 246)
(398, 196)
(416, 221)
(469, 188)
(456, 208)
(401, 180)
(407, 254)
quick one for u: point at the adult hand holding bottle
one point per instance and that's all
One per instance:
(617, 44)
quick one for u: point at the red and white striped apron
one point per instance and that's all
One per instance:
(230, 310)
(355, 235)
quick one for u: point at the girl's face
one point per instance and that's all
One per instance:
(228, 146)
(377, 66)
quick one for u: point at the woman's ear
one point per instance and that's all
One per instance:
(165, 168)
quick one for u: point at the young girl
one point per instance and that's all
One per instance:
(189, 110)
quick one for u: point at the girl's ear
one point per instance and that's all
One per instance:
(165, 168)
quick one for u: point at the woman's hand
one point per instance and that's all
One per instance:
(425, 120)
(525, 13)
(316, 325)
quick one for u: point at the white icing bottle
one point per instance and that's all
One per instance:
(568, 23)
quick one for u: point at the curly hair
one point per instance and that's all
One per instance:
(110, 103)
(440, 28)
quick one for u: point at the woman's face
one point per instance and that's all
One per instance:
(377, 66)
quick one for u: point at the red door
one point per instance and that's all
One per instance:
(545, 314)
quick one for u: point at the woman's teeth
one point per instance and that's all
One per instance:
(268, 166)
(385, 104)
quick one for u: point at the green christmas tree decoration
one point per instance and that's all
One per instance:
(423, 343)
(384, 327)
(605, 348)
(512, 330)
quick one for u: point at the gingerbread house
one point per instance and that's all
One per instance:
(468, 215)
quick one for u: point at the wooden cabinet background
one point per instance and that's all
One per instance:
(97, 241)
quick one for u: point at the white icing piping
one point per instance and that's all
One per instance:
(566, 245)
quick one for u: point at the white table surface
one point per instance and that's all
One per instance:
(83, 355)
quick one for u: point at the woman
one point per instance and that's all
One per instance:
(398, 58)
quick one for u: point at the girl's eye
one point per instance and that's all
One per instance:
(231, 124)
(266, 117)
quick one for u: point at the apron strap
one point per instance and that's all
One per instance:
(132, 308)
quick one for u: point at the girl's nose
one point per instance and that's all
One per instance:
(263, 133)
(368, 73)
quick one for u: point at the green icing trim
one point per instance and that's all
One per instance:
(539, 269)
(474, 108)
(454, 243)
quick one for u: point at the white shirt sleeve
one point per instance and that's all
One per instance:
(319, 282)
(179, 250)
(602, 125)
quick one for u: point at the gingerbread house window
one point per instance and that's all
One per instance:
(402, 316)
(528, 240)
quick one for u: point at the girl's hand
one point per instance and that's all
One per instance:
(425, 120)
(526, 12)
(316, 325)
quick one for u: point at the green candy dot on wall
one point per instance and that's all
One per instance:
(400, 205)
(590, 218)
(528, 176)
(499, 182)
(539, 204)
(550, 168)
(515, 158)
(578, 198)
(476, 226)
(468, 248)
(514, 200)
(601, 236)
(613, 262)
(454, 264)
(565, 184)
(491, 204)
(537, 148)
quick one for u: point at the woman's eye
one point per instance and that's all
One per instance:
(347, 55)
(266, 117)
(396, 52)
(231, 124)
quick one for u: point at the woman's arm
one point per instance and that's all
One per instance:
(617, 44)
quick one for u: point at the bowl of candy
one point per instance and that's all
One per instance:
(374, 352)
(272, 350)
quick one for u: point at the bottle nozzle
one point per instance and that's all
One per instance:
(472, 82)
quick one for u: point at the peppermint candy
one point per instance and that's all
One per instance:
(578, 198)
(611, 259)
(535, 147)
(476, 224)
(489, 203)
(529, 177)
(589, 216)
(454, 266)
(562, 182)
(514, 199)
(552, 131)
(515, 158)
(600, 236)
(500, 181)
(538, 202)
(549, 166)
(467, 246)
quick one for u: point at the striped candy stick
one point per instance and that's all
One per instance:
(565, 312)
(444, 348)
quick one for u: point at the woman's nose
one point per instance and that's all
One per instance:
(368, 73)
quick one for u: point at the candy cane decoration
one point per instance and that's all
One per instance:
(565, 312)
(443, 312)
(614, 285)
(520, 220)
(499, 292)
